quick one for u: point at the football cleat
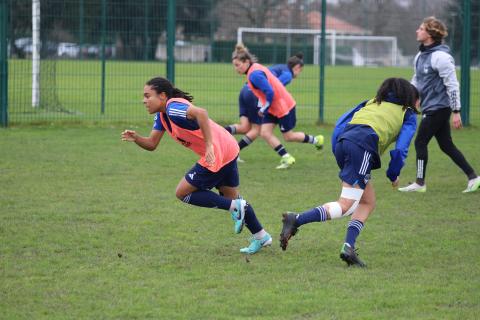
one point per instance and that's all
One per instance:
(240, 160)
(286, 162)
(238, 215)
(257, 244)
(289, 229)
(473, 185)
(320, 141)
(414, 187)
(349, 255)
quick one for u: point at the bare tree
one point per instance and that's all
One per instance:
(232, 14)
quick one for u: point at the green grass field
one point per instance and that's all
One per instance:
(215, 87)
(90, 229)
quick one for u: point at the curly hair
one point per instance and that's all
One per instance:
(435, 28)
(398, 91)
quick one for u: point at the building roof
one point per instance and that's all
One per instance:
(314, 19)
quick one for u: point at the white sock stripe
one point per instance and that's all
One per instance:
(356, 224)
(247, 140)
(186, 199)
(323, 212)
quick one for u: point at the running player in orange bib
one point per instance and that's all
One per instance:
(250, 121)
(218, 150)
(275, 105)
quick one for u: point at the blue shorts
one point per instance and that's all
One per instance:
(204, 179)
(247, 104)
(286, 122)
(355, 163)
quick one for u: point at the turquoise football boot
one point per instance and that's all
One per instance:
(256, 245)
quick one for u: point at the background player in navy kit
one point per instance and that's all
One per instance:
(436, 80)
(218, 151)
(359, 138)
(250, 121)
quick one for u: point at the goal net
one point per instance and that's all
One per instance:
(358, 50)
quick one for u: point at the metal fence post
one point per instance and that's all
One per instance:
(104, 31)
(146, 29)
(322, 62)
(3, 64)
(81, 26)
(465, 64)
(171, 40)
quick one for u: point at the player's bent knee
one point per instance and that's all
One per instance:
(180, 195)
(289, 136)
(265, 134)
(243, 129)
(334, 210)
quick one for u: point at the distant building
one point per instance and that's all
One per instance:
(314, 19)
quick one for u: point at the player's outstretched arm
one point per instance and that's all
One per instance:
(149, 143)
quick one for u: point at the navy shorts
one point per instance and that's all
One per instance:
(247, 104)
(286, 122)
(204, 179)
(355, 163)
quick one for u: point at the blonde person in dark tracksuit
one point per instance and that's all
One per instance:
(436, 80)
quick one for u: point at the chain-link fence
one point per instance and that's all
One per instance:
(80, 60)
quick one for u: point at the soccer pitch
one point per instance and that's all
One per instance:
(91, 229)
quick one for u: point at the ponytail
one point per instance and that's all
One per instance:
(294, 60)
(160, 85)
(241, 53)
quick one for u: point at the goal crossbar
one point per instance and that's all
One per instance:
(242, 30)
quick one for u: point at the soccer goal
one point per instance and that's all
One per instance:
(359, 50)
(342, 48)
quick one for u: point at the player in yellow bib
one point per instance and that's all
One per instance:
(360, 137)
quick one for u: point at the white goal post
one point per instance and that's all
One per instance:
(333, 45)
(331, 35)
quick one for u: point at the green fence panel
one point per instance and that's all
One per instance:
(367, 41)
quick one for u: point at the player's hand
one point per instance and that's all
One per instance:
(260, 114)
(457, 121)
(396, 183)
(129, 135)
(209, 155)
